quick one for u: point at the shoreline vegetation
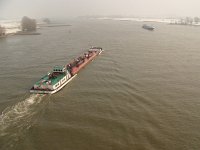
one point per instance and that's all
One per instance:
(26, 26)
(2, 31)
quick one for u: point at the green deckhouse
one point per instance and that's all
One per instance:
(53, 80)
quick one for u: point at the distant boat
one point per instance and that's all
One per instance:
(148, 27)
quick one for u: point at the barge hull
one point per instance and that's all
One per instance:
(52, 91)
(75, 70)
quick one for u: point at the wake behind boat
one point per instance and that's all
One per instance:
(55, 80)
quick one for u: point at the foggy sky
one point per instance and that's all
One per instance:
(73, 8)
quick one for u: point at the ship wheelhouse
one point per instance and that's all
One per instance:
(59, 69)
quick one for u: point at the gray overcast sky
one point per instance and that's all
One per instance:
(73, 8)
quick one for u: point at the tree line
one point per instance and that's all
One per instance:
(190, 20)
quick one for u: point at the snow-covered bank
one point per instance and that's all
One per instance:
(139, 19)
(11, 26)
(172, 21)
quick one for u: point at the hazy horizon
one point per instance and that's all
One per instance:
(75, 8)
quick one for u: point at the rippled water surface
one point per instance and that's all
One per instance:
(142, 93)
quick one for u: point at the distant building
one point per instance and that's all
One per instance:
(28, 24)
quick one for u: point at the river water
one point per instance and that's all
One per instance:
(142, 93)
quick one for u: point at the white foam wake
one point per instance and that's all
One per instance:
(15, 120)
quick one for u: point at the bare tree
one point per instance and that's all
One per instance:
(28, 24)
(189, 20)
(196, 19)
(2, 31)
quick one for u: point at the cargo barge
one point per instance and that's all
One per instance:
(55, 80)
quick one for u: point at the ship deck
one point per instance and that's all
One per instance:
(53, 80)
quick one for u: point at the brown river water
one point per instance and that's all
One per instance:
(142, 93)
